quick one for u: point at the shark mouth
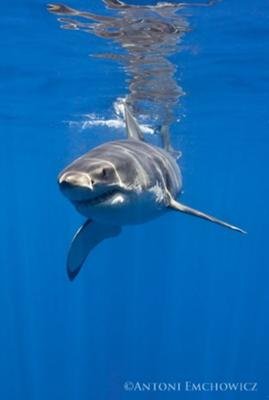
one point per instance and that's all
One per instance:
(97, 199)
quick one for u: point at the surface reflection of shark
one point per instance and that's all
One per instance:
(121, 183)
(145, 37)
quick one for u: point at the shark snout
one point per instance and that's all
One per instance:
(73, 179)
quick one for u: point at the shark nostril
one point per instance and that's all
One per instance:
(68, 180)
(74, 179)
(92, 181)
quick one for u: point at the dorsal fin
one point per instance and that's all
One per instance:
(132, 127)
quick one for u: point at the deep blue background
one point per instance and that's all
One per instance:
(176, 299)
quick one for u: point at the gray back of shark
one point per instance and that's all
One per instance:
(120, 183)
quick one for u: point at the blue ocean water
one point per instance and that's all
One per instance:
(174, 300)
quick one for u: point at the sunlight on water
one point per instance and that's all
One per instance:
(93, 120)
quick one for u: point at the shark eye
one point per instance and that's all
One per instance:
(104, 172)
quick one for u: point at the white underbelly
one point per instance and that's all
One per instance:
(126, 209)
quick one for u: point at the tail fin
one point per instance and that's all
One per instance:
(166, 142)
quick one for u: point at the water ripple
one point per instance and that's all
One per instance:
(145, 38)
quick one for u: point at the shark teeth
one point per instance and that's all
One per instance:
(98, 199)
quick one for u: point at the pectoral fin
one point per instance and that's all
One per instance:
(188, 210)
(89, 235)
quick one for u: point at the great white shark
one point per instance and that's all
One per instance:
(119, 183)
